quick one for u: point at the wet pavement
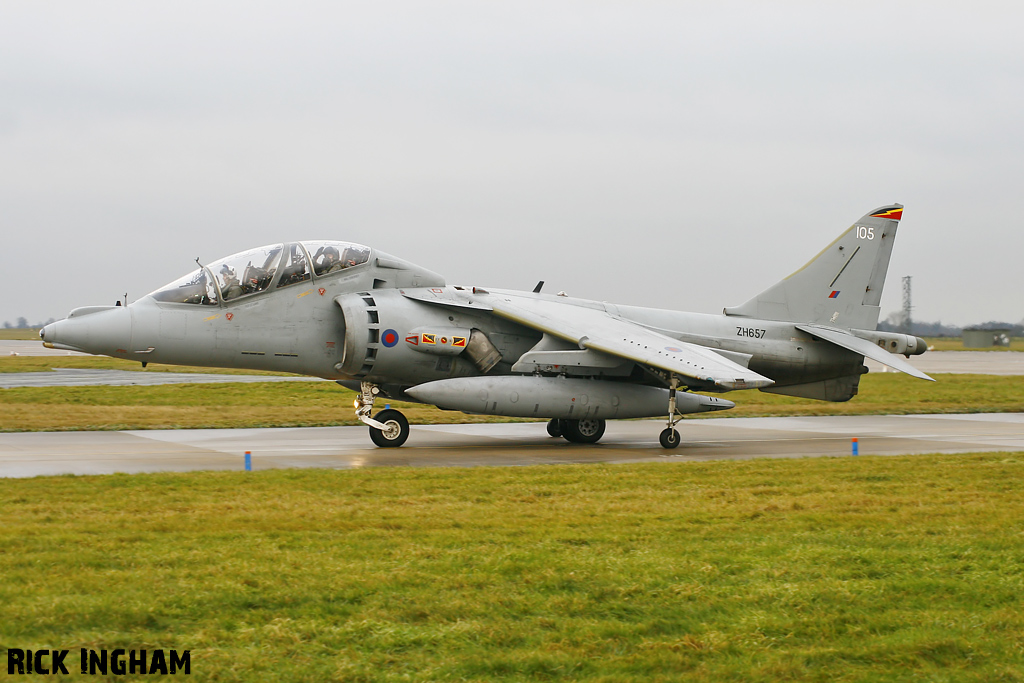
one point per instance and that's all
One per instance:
(42, 453)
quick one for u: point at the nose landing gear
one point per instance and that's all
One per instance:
(388, 428)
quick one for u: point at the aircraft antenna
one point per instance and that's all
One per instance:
(198, 263)
(907, 307)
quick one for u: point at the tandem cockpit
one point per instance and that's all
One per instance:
(263, 269)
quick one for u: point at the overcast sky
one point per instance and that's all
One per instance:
(671, 154)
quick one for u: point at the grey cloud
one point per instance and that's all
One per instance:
(663, 153)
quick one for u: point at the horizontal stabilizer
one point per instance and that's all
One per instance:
(864, 348)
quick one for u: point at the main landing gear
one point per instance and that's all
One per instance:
(591, 430)
(587, 430)
(388, 428)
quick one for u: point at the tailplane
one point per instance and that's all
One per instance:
(841, 286)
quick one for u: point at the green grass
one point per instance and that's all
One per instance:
(310, 404)
(80, 362)
(20, 333)
(854, 569)
(957, 344)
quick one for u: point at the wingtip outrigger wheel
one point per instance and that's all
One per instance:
(670, 438)
(388, 428)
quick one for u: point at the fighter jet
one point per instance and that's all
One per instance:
(387, 328)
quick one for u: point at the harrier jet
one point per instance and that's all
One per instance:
(388, 328)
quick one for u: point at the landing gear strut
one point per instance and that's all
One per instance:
(388, 428)
(669, 438)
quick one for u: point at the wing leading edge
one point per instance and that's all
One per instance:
(595, 329)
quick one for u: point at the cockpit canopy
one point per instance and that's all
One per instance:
(257, 270)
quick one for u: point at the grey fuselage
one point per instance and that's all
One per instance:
(357, 325)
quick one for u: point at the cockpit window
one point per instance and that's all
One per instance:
(255, 270)
(330, 257)
(248, 272)
(195, 288)
(294, 269)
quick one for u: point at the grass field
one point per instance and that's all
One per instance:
(77, 361)
(19, 333)
(957, 344)
(309, 404)
(854, 569)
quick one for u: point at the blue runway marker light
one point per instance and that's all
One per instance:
(853, 445)
(248, 461)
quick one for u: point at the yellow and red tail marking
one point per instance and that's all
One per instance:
(892, 214)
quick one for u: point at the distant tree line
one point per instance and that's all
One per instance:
(22, 324)
(894, 323)
(1016, 330)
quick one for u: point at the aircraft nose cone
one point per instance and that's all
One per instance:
(59, 335)
(92, 331)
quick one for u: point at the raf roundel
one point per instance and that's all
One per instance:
(389, 338)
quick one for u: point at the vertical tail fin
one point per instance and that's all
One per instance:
(841, 286)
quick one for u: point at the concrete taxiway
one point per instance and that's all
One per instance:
(31, 454)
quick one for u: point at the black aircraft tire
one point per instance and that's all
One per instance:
(670, 439)
(588, 430)
(395, 436)
(555, 428)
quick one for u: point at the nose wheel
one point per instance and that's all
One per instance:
(388, 428)
(395, 432)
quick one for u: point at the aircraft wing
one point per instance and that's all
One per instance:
(591, 328)
(864, 348)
